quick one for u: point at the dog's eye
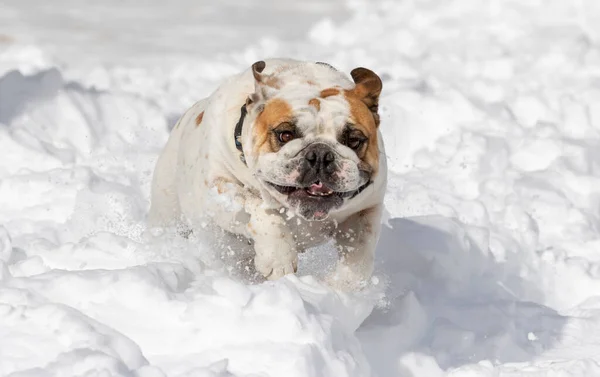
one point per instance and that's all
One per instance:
(354, 143)
(285, 136)
(353, 138)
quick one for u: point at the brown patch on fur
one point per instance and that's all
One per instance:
(310, 82)
(199, 118)
(273, 82)
(329, 92)
(276, 111)
(315, 103)
(363, 119)
(6, 38)
(220, 184)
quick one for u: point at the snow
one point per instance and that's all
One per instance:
(488, 264)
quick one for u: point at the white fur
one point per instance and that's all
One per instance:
(199, 175)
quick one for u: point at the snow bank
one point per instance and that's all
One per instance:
(488, 264)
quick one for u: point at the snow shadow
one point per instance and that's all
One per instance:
(448, 298)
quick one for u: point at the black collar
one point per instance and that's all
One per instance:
(237, 135)
(361, 189)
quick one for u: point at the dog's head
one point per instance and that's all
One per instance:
(312, 141)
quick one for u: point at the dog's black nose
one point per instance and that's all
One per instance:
(320, 157)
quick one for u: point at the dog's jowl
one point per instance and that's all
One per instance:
(287, 154)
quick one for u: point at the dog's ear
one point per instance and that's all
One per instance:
(368, 88)
(264, 85)
(257, 69)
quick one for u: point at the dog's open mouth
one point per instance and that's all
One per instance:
(316, 190)
(316, 200)
(319, 189)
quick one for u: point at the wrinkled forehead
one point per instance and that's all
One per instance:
(325, 112)
(316, 115)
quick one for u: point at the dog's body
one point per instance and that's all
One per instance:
(306, 167)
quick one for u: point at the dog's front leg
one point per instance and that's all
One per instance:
(356, 239)
(274, 245)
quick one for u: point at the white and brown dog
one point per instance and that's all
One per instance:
(299, 164)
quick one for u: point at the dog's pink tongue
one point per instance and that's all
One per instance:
(318, 187)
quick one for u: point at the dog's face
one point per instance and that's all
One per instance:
(313, 139)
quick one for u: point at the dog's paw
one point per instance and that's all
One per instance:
(275, 268)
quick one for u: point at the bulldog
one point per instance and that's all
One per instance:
(287, 155)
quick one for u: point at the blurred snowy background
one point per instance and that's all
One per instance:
(489, 264)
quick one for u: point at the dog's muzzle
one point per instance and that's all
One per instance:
(319, 164)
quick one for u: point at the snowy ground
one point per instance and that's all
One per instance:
(490, 261)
